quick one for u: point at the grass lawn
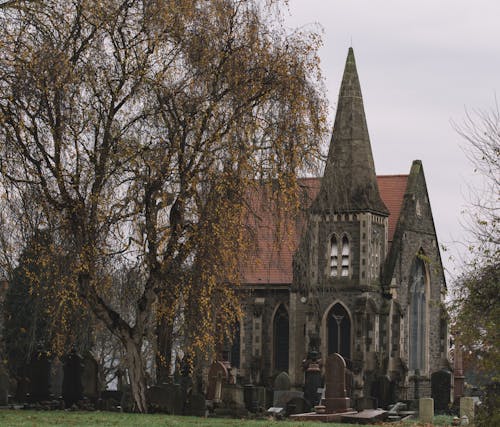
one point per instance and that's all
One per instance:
(10, 418)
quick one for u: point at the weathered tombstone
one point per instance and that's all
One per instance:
(366, 402)
(110, 400)
(217, 375)
(467, 408)
(39, 378)
(56, 378)
(90, 383)
(4, 385)
(169, 398)
(196, 406)
(127, 401)
(336, 399)
(72, 389)
(458, 373)
(282, 393)
(297, 405)
(282, 382)
(426, 410)
(441, 390)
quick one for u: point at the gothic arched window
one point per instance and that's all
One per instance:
(334, 256)
(345, 256)
(234, 355)
(281, 339)
(418, 315)
(339, 331)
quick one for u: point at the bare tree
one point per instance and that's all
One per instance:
(476, 304)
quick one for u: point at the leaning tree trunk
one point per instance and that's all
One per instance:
(136, 374)
(164, 350)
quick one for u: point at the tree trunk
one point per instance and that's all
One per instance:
(136, 374)
(164, 350)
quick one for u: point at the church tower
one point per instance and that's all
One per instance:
(350, 215)
(337, 267)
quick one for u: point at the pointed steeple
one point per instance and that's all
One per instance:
(349, 183)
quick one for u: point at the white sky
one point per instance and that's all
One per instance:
(421, 64)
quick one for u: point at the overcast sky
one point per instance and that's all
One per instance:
(421, 65)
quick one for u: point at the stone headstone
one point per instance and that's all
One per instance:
(426, 410)
(441, 390)
(168, 398)
(365, 402)
(282, 382)
(467, 408)
(40, 378)
(217, 375)
(90, 383)
(72, 389)
(127, 401)
(336, 400)
(196, 406)
(56, 378)
(297, 405)
(4, 385)
(282, 397)
(458, 372)
(233, 394)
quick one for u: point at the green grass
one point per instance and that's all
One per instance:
(30, 418)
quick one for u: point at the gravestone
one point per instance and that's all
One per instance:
(90, 383)
(365, 402)
(467, 408)
(458, 373)
(441, 390)
(56, 378)
(4, 385)
(217, 375)
(336, 399)
(72, 389)
(426, 410)
(282, 382)
(168, 398)
(282, 393)
(196, 406)
(39, 378)
(297, 405)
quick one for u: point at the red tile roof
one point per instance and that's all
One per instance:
(270, 261)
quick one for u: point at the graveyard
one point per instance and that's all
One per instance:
(191, 234)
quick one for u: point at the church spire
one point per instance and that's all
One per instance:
(349, 183)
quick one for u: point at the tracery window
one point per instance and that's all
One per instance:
(339, 267)
(334, 256)
(345, 256)
(339, 331)
(418, 315)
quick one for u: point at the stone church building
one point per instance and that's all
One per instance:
(359, 274)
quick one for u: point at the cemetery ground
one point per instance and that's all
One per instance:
(14, 418)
